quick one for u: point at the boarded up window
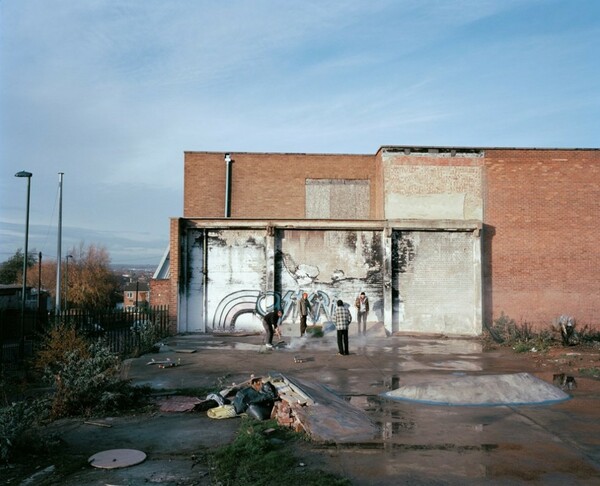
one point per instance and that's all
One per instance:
(337, 199)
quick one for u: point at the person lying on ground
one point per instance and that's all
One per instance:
(257, 400)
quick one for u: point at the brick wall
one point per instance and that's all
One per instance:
(265, 185)
(541, 207)
(174, 257)
(541, 250)
(160, 292)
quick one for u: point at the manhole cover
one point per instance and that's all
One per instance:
(116, 458)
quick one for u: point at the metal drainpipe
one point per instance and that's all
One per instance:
(205, 277)
(228, 185)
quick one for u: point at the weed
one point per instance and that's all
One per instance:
(316, 331)
(590, 372)
(587, 335)
(521, 337)
(255, 458)
(522, 347)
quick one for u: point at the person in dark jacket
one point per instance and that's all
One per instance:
(257, 400)
(271, 325)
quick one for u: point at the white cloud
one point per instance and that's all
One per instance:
(113, 92)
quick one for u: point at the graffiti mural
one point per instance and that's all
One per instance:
(260, 303)
(233, 306)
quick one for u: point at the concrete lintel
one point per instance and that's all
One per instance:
(320, 224)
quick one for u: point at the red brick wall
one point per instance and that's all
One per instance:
(160, 292)
(541, 207)
(541, 251)
(266, 185)
(174, 259)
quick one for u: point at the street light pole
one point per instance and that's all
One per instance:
(39, 297)
(59, 246)
(28, 175)
(67, 282)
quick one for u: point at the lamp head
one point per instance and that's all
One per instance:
(227, 158)
(23, 173)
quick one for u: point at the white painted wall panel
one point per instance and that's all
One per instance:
(435, 282)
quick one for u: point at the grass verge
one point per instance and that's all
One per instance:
(260, 455)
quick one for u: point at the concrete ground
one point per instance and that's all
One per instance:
(418, 443)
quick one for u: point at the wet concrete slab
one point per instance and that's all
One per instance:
(415, 443)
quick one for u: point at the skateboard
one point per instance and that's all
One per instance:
(279, 345)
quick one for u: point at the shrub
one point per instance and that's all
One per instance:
(85, 375)
(58, 342)
(17, 427)
(148, 334)
(91, 385)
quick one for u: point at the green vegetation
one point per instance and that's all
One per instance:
(11, 270)
(18, 423)
(590, 372)
(258, 457)
(315, 331)
(84, 375)
(520, 337)
(84, 378)
(523, 339)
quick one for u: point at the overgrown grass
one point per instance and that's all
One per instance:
(258, 458)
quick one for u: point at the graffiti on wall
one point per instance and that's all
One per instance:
(260, 303)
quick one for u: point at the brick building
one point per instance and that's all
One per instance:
(442, 239)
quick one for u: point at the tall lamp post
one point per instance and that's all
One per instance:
(28, 175)
(67, 282)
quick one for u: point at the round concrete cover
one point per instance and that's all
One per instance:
(513, 389)
(116, 458)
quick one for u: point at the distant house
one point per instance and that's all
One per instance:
(136, 295)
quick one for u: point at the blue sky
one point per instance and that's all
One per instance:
(113, 92)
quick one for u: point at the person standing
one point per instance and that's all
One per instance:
(271, 325)
(362, 309)
(343, 318)
(303, 309)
